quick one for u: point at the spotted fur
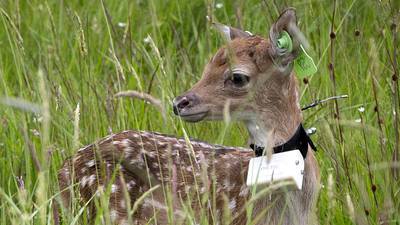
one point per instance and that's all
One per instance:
(131, 154)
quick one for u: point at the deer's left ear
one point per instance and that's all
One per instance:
(231, 33)
(286, 39)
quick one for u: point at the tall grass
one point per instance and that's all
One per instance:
(62, 62)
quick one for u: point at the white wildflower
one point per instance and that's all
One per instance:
(147, 40)
(35, 132)
(121, 24)
(38, 119)
(311, 130)
(219, 5)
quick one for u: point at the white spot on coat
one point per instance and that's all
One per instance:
(149, 154)
(177, 145)
(83, 170)
(204, 145)
(114, 188)
(113, 215)
(91, 179)
(90, 163)
(232, 204)
(65, 171)
(227, 185)
(131, 184)
(125, 143)
(244, 191)
(122, 204)
(84, 181)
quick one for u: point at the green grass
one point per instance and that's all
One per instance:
(58, 54)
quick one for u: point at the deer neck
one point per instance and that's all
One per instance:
(279, 113)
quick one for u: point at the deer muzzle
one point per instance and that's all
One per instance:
(189, 107)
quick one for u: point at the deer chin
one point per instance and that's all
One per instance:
(194, 117)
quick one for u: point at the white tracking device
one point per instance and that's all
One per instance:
(284, 166)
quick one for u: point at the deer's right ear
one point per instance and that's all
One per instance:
(231, 33)
(286, 39)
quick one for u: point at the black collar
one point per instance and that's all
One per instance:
(300, 140)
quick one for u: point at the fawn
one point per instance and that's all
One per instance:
(252, 79)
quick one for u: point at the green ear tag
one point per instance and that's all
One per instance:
(285, 42)
(304, 64)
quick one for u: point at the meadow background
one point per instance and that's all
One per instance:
(61, 62)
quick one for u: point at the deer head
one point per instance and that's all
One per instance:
(252, 77)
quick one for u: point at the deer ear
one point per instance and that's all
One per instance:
(231, 33)
(286, 39)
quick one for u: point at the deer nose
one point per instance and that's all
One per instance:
(184, 102)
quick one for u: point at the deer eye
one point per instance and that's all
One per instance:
(239, 79)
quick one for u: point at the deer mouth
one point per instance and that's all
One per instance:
(193, 117)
